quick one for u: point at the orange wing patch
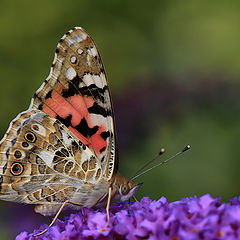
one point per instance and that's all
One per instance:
(74, 113)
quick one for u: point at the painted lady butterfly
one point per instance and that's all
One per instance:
(62, 150)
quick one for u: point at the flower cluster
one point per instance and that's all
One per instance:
(190, 218)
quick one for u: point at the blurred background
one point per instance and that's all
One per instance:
(174, 73)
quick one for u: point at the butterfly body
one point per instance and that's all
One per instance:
(64, 146)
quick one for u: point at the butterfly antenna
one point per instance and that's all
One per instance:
(149, 162)
(161, 163)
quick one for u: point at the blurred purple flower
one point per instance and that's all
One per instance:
(190, 218)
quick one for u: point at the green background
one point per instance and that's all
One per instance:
(173, 69)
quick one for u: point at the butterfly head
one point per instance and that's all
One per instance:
(124, 189)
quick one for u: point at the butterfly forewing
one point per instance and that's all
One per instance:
(76, 93)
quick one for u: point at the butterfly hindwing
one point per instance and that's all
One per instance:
(42, 162)
(76, 93)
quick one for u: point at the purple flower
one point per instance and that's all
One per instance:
(189, 218)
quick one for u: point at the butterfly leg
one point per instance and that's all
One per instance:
(56, 216)
(135, 199)
(107, 207)
(108, 204)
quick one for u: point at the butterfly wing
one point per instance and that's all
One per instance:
(76, 93)
(63, 146)
(43, 163)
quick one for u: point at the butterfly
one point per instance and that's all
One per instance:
(62, 151)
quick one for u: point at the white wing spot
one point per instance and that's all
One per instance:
(88, 79)
(47, 157)
(83, 36)
(66, 139)
(73, 59)
(70, 42)
(100, 80)
(92, 52)
(38, 129)
(93, 118)
(77, 38)
(88, 60)
(94, 79)
(80, 51)
(70, 73)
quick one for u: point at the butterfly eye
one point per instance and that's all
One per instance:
(124, 189)
(16, 169)
(30, 137)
